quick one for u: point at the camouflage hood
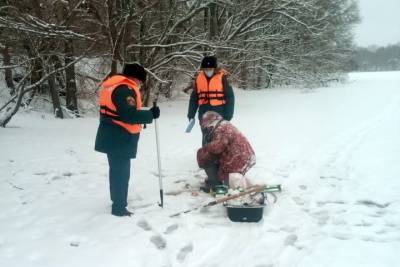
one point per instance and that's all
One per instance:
(210, 119)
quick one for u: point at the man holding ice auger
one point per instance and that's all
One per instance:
(121, 116)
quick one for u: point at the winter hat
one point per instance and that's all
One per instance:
(209, 62)
(135, 70)
(210, 119)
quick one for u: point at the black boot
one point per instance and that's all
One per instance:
(212, 178)
(206, 188)
(121, 212)
(212, 175)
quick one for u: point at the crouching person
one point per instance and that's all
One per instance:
(226, 155)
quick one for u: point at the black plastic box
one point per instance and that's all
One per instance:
(245, 213)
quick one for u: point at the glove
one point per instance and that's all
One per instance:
(156, 112)
(227, 117)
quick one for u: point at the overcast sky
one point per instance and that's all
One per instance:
(380, 23)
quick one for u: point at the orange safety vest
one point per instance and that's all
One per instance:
(210, 91)
(107, 107)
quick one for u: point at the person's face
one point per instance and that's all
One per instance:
(209, 72)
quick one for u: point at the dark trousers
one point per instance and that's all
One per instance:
(119, 181)
(203, 137)
(212, 174)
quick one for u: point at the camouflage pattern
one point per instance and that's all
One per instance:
(225, 146)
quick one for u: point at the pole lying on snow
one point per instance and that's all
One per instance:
(254, 189)
(161, 204)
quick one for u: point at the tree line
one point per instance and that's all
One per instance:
(45, 44)
(384, 58)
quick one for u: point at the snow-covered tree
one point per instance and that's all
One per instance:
(259, 42)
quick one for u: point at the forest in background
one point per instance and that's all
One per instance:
(61, 50)
(374, 58)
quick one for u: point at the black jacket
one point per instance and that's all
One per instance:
(226, 110)
(113, 139)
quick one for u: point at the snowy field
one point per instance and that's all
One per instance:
(336, 151)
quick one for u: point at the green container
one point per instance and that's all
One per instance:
(273, 188)
(219, 190)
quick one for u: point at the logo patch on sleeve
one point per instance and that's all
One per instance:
(131, 101)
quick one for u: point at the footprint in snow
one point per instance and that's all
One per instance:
(158, 241)
(74, 244)
(370, 203)
(288, 229)
(381, 232)
(68, 174)
(391, 224)
(290, 240)
(40, 173)
(378, 213)
(144, 225)
(299, 201)
(335, 202)
(371, 239)
(180, 181)
(171, 228)
(63, 176)
(184, 252)
(331, 177)
(339, 222)
(70, 152)
(323, 220)
(342, 236)
(322, 217)
(363, 224)
(57, 177)
(303, 187)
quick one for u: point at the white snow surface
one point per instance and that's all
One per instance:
(335, 150)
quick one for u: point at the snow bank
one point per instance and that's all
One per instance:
(335, 150)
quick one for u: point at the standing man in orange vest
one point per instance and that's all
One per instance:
(121, 117)
(212, 92)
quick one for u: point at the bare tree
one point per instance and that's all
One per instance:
(261, 43)
(5, 51)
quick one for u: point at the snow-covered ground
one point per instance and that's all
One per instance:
(336, 151)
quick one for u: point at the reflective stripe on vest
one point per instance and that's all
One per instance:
(107, 107)
(212, 91)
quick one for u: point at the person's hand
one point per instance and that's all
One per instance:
(228, 117)
(156, 112)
